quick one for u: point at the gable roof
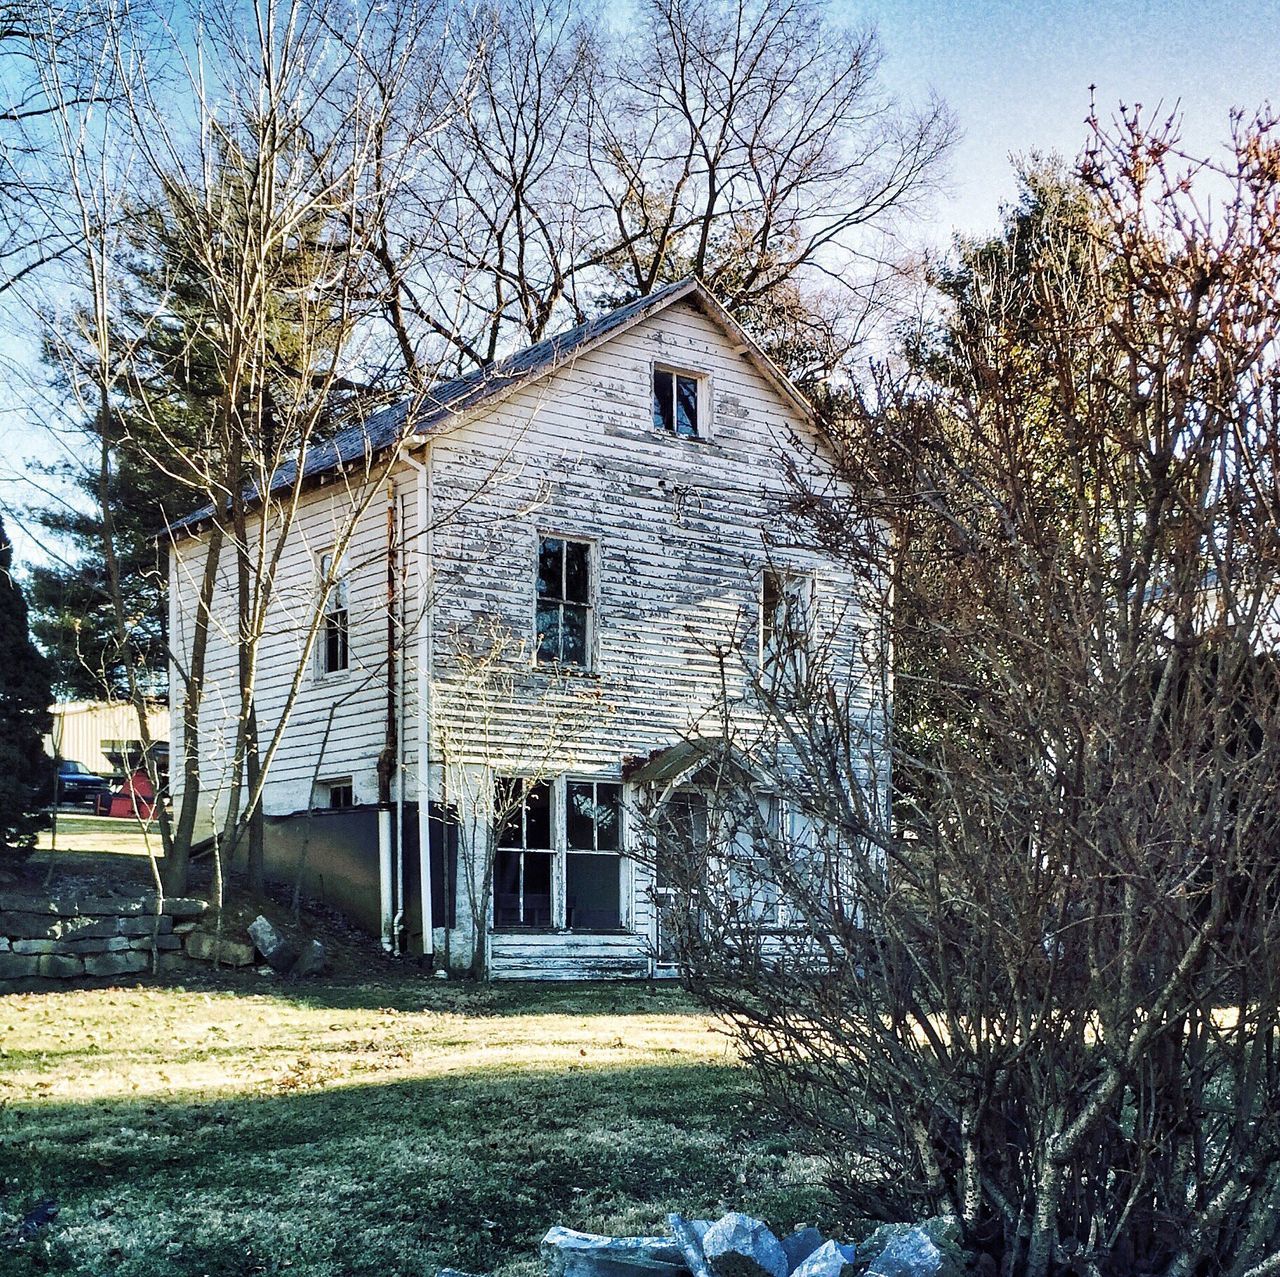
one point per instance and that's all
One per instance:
(445, 402)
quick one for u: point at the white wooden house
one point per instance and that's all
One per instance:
(569, 546)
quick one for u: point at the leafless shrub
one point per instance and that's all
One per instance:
(1043, 996)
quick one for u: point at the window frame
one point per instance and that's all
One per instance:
(327, 788)
(523, 849)
(774, 665)
(618, 853)
(337, 603)
(560, 851)
(589, 665)
(702, 426)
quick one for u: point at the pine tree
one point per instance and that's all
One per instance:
(24, 718)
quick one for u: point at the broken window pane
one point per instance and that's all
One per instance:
(536, 896)
(609, 817)
(548, 631)
(335, 642)
(593, 894)
(537, 816)
(577, 572)
(663, 408)
(508, 812)
(550, 568)
(593, 815)
(686, 407)
(580, 815)
(573, 634)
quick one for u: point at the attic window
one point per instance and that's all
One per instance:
(676, 402)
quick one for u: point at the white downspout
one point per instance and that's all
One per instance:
(384, 876)
(424, 560)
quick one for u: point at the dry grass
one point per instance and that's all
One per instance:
(387, 1127)
(79, 833)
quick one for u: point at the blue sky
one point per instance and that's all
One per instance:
(1017, 76)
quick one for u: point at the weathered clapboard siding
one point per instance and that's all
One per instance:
(680, 529)
(338, 722)
(568, 957)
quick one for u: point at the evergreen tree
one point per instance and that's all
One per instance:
(24, 718)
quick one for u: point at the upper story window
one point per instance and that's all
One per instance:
(676, 404)
(786, 610)
(334, 655)
(564, 602)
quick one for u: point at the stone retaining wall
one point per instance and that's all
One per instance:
(66, 937)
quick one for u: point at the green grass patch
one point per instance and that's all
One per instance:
(386, 1128)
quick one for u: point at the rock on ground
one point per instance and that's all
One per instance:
(829, 1260)
(738, 1246)
(930, 1248)
(800, 1245)
(273, 944)
(311, 961)
(569, 1253)
(205, 946)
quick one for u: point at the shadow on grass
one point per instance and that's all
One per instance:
(464, 1170)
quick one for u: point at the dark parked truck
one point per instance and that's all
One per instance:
(77, 784)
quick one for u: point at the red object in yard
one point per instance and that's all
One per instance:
(136, 797)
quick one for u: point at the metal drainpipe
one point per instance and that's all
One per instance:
(425, 579)
(399, 778)
(390, 875)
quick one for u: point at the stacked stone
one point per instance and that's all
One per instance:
(67, 937)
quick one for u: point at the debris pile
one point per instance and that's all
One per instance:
(737, 1245)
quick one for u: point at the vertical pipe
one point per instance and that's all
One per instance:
(384, 876)
(401, 633)
(424, 576)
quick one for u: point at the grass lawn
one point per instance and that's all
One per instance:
(82, 832)
(389, 1127)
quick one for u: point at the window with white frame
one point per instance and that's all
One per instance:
(677, 402)
(752, 882)
(593, 866)
(558, 859)
(564, 607)
(522, 860)
(334, 654)
(786, 622)
(337, 794)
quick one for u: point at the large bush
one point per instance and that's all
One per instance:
(1043, 997)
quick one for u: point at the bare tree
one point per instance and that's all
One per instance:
(744, 141)
(242, 204)
(1041, 997)
(482, 677)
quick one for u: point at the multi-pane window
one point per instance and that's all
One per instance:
(675, 402)
(338, 794)
(786, 605)
(682, 843)
(558, 856)
(752, 885)
(564, 602)
(593, 866)
(334, 628)
(522, 863)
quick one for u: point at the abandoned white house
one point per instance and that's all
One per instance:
(577, 558)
